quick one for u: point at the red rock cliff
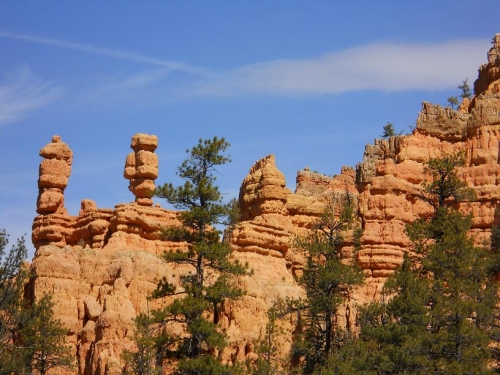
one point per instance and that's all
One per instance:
(103, 263)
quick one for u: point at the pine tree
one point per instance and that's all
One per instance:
(388, 130)
(211, 283)
(42, 338)
(466, 91)
(494, 269)
(439, 311)
(147, 357)
(12, 280)
(453, 101)
(328, 282)
(31, 338)
(268, 361)
(392, 330)
(463, 297)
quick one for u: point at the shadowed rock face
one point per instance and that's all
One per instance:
(103, 263)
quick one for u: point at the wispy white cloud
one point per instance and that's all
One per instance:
(22, 93)
(114, 53)
(381, 66)
(377, 66)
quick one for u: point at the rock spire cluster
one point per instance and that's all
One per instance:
(102, 264)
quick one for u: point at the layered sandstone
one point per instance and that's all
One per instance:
(390, 175)
(127, 225)
(272, 216)
(103, 263)
(141, 168)
(54, 173)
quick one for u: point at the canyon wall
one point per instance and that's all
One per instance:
(102, 264)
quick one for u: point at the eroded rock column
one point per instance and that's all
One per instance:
(54, 173)
(141, 168)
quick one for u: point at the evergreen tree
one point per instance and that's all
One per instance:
(42, 338)
(453, 101)
(466, 91)
(268, 361)
(147, 357)
(445, 189)
(494, 269)
(31, 339)
(328, 282)
(440, 314)
(212, 281)
(12, 280)
(388, 130)
(392, 330)
(463, 300)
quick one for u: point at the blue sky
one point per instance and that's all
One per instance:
(309, 81)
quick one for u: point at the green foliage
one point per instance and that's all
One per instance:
(212, 280)
(462, 291)
(388, 130)
(328, 282)
(147, 357)
(199, 197)
(42, 338)
(205, 365)
(495, 243)
(438, 312)
(445, 188)
(495, 231)
(357, 233)
(453, 101)
(31, 339)
(267, 348)
(233, 218)
(463, 299)
(466, 91)
(392, 330)
(12, 280)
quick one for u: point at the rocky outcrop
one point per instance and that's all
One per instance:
(141, 168)
(102, 264)
(97, 298)
(388, 182)
(272, 216)
(442, 123)
(490, 72)
(136, 224)
(54, 173)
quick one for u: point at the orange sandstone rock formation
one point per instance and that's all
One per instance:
(55, 170)
(392, 170)
(103, 263)
(141, 168)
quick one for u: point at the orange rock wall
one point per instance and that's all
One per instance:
(102, 264)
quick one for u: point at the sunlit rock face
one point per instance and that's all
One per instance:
(141, 168)
(54, 172)
(392, 170)
(103, 264)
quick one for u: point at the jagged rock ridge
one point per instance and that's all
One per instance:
(103, 263)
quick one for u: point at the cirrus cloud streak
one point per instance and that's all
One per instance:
(21, 93)
(380, 66)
